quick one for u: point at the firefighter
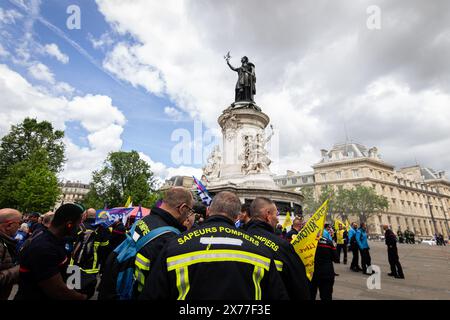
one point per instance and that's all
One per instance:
(175, 208)
(215, 261)
(262, 226)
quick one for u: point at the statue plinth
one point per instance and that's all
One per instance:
(243, 164)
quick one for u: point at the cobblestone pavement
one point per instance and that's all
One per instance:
(426, 268)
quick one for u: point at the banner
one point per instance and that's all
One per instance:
(109, 216)
(305, 244)
(287, 221)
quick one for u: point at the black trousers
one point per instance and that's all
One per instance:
(325, 287)
(365, 259)
(342, 247)
(394, 262)
(355, 259)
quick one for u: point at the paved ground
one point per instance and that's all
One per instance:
(426, 268)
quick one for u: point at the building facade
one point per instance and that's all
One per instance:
(419, 197)
(72, 192)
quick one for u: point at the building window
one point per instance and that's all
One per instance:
(294, 180)
(323, 176)
(355, 173)
(338, 175)
(304, 179)
(284, 182)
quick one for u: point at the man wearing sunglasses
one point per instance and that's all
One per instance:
(175, 209)
(10, 221)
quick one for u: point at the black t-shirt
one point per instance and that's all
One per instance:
(42, 256)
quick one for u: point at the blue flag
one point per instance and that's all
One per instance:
(202, 192)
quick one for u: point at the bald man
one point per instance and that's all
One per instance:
(10, 221)
(175, 209)
(262, 226)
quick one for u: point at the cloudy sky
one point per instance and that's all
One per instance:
(138, 75)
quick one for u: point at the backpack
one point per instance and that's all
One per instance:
(83, 252)
(126, 252)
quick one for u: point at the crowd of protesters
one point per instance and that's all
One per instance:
(181, 250)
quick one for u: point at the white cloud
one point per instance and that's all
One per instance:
(102, 120)
(173, 113)
(53, 50)
(315, 68)
(9, 16)
(125, 64)
(162, 172)
(41, 72)
(103, 42)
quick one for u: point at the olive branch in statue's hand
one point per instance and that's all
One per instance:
(227, 56)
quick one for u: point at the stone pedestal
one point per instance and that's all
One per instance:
(242, 166)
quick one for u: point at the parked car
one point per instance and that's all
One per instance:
(430, 242)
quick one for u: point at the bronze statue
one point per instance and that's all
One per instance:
(245, 86)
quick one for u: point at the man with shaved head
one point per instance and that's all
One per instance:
(175, 208)
(264, 220)
(10, 221)
(215, 261)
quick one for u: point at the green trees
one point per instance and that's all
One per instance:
(360, 201)
(29, 137)
(123, 174)
(31, 154)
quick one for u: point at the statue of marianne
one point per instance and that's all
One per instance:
(245, 85)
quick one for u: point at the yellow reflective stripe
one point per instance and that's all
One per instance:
(94, 264)
(183, 285)
(258, 274)
(90, 271)
(279, 265)
(142, 262)
(105, 243)
(188, 259)
(140, 278)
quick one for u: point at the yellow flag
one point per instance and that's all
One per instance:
(305, 244)
(337, 223)
(129, 203)
(287, 221)
(347, 225)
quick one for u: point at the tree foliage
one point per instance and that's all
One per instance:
(30, 185)
(123, 174)
(360, 201)
(30, 156)
(30, 137)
